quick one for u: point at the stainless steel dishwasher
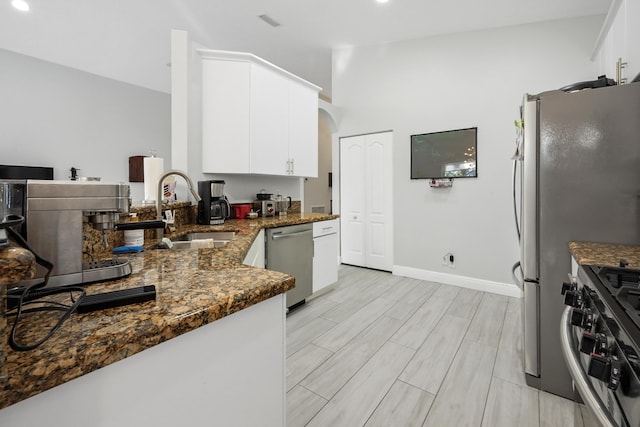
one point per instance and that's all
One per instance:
(290, 250)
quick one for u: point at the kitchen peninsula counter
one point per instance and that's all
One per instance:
(16, 264)
(195, 287)
(605, 254)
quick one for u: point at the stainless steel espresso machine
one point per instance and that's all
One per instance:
(214, 207)
(54, 213)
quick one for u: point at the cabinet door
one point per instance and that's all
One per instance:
(303, 130)
(225, 116)
(632, 9)
(325, 253)
(255, 255)
(269, 126)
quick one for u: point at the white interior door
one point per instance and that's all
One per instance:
(366, 200)
(352, 200)
(379, 202)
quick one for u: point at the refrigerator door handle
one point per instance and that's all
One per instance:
(529, 206)
(515, 201)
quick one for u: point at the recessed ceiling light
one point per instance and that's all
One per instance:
(382, 1)
(20, 5)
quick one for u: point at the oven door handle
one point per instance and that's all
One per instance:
(580, 378)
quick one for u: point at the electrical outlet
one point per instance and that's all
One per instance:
(448, 260)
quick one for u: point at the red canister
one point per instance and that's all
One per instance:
(241, 211)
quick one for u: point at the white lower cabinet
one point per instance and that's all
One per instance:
(230, 372)
(325, 253)
(255, 256)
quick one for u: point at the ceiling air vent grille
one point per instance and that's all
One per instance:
(269, 20)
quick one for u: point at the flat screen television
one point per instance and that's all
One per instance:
(447, 154)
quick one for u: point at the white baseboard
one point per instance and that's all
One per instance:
(506, 289)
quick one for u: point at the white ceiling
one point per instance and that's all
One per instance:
(130, 40)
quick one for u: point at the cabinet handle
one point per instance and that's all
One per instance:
(619, 67)
(287, 235)
(293, 166)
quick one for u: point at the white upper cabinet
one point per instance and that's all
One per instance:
(257, 118)
(303, 130)
(269, 124)
(620, 41)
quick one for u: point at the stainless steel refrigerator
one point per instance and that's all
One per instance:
(578, 180)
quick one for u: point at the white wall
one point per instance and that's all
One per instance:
(316, 190)
(449, 82)
(56, 116)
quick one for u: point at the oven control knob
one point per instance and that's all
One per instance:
(587, 342)
(605, 369)
(594, 343)
(566, 286)
(573, 298)
(582, 318)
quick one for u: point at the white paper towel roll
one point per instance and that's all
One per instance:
(153, 168)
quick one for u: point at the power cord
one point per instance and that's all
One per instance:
(36, 291)
(54, 306)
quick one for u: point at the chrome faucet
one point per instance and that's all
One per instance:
(196, 196)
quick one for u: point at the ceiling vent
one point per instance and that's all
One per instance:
(269, 20)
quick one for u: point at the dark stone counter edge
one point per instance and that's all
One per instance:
(155, 336)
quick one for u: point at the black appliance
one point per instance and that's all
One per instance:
(13, 189)
(600, 337)
(445, 155)
(214, 207)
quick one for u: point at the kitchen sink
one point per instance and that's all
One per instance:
(215, 235)
(210, 239)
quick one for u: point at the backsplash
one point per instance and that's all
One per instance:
(93, 244)
(184, 213)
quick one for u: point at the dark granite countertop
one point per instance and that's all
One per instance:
(16, 264)
(605, 254)
(194, 287)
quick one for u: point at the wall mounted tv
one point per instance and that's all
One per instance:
(447, 154)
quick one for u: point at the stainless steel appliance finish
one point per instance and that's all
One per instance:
(216, 188)
(290, 250)
(579, 180)
(54, 213)
(600, 336)
(580, 379)
(265, 207)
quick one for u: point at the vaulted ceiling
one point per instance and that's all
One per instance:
(130, 40)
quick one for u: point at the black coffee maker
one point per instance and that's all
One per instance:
(214, 207)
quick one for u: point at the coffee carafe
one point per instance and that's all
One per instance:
(283, 203)
(214, 207)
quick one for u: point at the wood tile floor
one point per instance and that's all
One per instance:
(383, 350)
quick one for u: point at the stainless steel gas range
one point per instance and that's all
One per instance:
(600, 337)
